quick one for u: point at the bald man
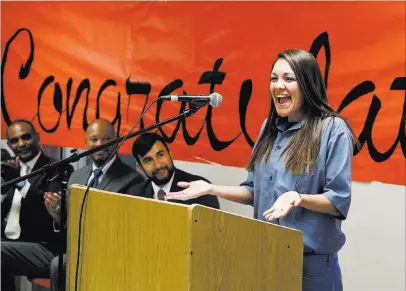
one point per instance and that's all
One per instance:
(115, 176)
(28, 239)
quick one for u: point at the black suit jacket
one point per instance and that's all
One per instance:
(146, 190)
(35, 221)
(118, 178)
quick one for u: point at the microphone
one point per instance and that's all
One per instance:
(214, 99)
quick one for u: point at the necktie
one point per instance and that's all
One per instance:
(161, 194)
(96, 175)
(13, 228)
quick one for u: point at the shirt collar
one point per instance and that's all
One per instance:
(31, 163)
(166, 187)
(107, 166)
(282, 124)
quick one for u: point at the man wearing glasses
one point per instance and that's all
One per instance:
(28, 241)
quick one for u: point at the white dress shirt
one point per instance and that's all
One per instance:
(104, 170)
(13, 228)
(166, 187)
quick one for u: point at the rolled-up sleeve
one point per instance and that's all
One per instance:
(249, 183)
(339, 167)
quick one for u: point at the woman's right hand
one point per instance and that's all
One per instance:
(192, 190)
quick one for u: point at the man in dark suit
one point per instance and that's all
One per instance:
(28, 240)
(114, 176)
(155, 159)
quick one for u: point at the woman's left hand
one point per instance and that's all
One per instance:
(283, 205)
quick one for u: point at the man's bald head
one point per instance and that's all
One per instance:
(101, 125)
(100, 132)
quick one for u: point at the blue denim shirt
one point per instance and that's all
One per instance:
(332, 176)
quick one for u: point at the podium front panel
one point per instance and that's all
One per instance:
(235, 253)
(128, 243)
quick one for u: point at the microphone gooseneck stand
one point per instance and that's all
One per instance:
(64, 170)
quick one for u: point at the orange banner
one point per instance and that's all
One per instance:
(66, 63)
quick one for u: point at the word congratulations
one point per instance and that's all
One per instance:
(214, 77)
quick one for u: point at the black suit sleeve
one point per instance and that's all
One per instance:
(37, 190)
(138, 188)
(35, 198)
(35, 221)
(136, 184)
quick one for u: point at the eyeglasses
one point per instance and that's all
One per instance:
(24, 137)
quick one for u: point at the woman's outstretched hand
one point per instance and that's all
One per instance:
(191, 190)
(283, 205)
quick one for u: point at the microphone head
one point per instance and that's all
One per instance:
(215, 99)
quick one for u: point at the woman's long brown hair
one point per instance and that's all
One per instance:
(302, 150)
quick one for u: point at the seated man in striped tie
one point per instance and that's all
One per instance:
(115, 176)
(154, 158)
(28, 242)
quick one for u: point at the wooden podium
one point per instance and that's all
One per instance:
(136, 244)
